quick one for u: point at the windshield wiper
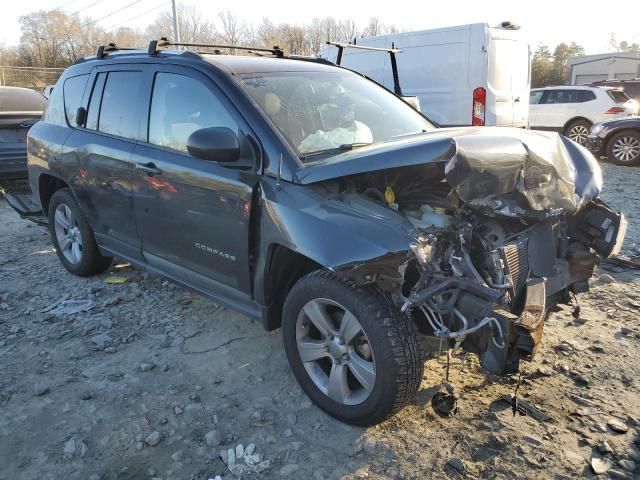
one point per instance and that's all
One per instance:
(345, 147)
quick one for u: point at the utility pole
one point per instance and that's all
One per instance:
(176, 33)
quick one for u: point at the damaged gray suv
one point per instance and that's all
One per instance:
(307, 196)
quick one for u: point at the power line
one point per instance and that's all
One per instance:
(116, 11)
(64, 5)
(124, 22)
(96, 2)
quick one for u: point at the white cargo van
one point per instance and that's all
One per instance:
(465, 75)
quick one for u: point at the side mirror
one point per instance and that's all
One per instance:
(219, 144)
(81, 116)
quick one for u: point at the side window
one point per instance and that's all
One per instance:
(535, 96)
(584, 96)
(181, 105)
(73, 92)
(119, 109)
(556, 96)
(94, 103)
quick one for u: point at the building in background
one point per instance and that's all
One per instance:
(605, 66)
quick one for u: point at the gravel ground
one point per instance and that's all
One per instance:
(154, 382)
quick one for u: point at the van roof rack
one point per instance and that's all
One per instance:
(392, 54)
(164, 42)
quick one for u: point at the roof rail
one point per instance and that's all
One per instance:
(111, 47)
(392, 54)
(164, 42)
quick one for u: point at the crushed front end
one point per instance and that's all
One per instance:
(505, 230)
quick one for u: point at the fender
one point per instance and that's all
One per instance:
(335, 233)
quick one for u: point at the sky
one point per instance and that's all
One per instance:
(544, 21)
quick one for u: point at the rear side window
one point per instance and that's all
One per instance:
(21, 100)
(73, 92)
(584, 96)
(120, 107)
(618, 96)
(181, 105)
(55, 109)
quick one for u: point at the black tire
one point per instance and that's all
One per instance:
(632, 136)
(391, 337)
(578, 127)
(91, 262)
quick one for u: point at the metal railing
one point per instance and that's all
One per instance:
(37, 78)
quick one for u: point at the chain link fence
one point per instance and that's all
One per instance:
(29, 77)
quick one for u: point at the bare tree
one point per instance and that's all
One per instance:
(375, 27)
(55, 39)
(232, 30)
(193, 27)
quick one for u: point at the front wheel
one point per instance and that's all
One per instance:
(353, 353)
(624, 148)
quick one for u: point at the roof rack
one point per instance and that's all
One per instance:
(111, 47)
(392, 54)
(164, 42)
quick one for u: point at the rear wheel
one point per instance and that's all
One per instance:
(353, 353)
(578, 131)
(72, 236)
(624, 148)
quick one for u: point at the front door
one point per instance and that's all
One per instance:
(193, 214)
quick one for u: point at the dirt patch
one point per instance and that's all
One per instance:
(146, 380)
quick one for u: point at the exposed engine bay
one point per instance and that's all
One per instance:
(498, 244)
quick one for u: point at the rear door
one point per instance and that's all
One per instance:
(508, 82)
(193, 214)
(101, 152)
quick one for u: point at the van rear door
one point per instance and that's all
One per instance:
(508, 80)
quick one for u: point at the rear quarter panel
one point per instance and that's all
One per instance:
(45, 144)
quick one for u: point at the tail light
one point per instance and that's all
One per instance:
(614, 110)
(479, 104)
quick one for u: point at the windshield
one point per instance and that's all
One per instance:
(323, 113)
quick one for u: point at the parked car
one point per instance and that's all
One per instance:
(618, 140)
(463, 75)
(20, 108)
(630, 87)
(573, 110)
(307, 196)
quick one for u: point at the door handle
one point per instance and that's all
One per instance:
(517, 99)
(148, 168)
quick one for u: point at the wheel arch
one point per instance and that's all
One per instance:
(283, 268)
(609, 137)
(575, 119)
(47, 186)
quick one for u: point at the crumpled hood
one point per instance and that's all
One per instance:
(508, 170)
(521, 172)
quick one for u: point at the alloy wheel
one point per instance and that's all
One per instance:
(626, 149)
(579, 133)
(68, 234)
(335, 351)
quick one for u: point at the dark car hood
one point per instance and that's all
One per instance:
(625, 122)
(489, 166)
